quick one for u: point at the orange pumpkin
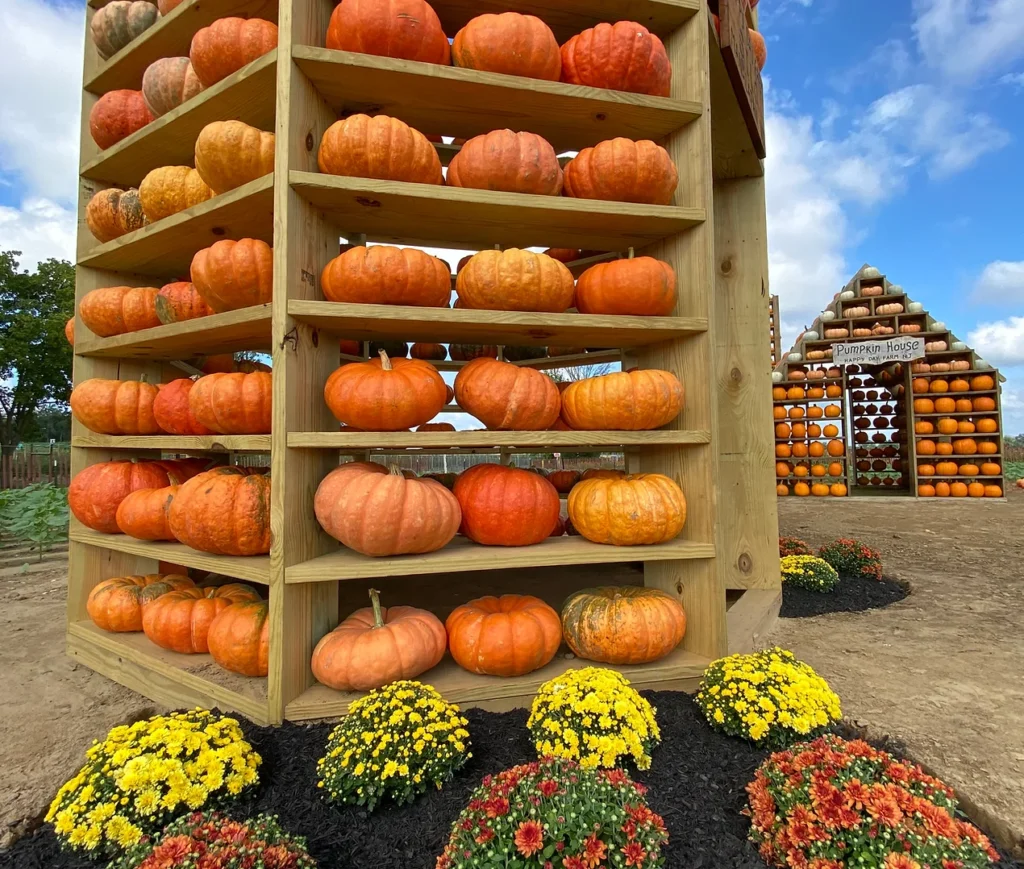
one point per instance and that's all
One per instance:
(778, 412)
(116, 604)
(988, 448)
(924, 405)
(167, 83)
(782, 489)
(507, 161)
(116, 115)
(375, 646)
(924, 427)
(624, 56)
(987, 426)
(816, 450)
(815, 392)
(926, 470)
(815, 412)
(926, 448)
(830, 431)
(229, 154)
(508, 43)
(959, 384)
(180, 301)
(991, 469)
(622, 170)
(783, 469)
(180, 620)
(983, 403)
(630, 511)
(233, 404)
(116, 310)
(431, 352)
(958, 490)
(965, 447)
(234, 274)
(172, 411)
(96, 492)
(943, 448)
(969, 469)
(383, 275)
(945, 405)
(817, 470)
(814, 430)
(835, 469)
(115, 407)
(801, 490)
(782, 430)
(224, 511)
(143, 514)
(504, 506)
(926, 490)
(405, 29)
(169, 190)
(797, 413)
(982, 383)
(965, 426)
(800, 450)
(919, 385)
(625, 401)
(820, 490)
(993, 491)
(838, 490)
(946, 469)
(939, 385)
(239, 638)
(112, 213)
(515, 280)
(378, 147)
(511, 635)
(563, 481)
(507, 397)
(942, 490)
(833, 391)
(963, 405)
(836, 448)
(947, 426)
(228, 44)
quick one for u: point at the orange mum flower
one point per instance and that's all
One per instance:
(529, 838)
(900, 861)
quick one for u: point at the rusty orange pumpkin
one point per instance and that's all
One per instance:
(180, 620)
(239, 638)
(225, 511)
(515, 280)
(383, 275)
(143, 514)
(378, 147)
(233, 404)
(621, 170)
(643, 286)
(507, 161)
(116, 604)
(511, 635)
(507, 397)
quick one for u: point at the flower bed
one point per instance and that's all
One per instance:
(808, 572)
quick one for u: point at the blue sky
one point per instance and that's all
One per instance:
(895, 132)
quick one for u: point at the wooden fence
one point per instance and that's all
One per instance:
(35, 463)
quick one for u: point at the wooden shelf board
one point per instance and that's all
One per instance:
(254, 568)
(399, 212)
(378, 322)
(959, 478)
(552, 363)
(984, 413)
(247, 95)
(176, 680)
(471, 102)
(175, 443)
(167, 246)
(678, 670)
(462, 555)
(341, 440)
(244, 329)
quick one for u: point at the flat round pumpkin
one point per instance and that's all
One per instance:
(405, 29)
(239, 638)
(97, 491)
(234, 274)
(172, 411)
(507, 397)
(503, 506)
(378, 147)
(116, 604)
(224, 511)
(509, 43)
(624, 56)
(115, 407)
(384, 275)
(621, 170)
(515, 280)
(631, 511)
(228, 44)
(511, 635)
(168, 83)
(112, 213)
(120, 22)
(180, 301)
(180, 620)
(233, 404)
(643, 286)
(231, 153)
(624, 401)
(507, 161)
(171, 189)
(116, 115)
(143, 514)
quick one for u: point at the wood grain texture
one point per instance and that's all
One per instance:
(733, 154)
(175, 443)
(544, 440)
(751, 618)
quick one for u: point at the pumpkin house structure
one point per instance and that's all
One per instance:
(220, 171)
(930, 426)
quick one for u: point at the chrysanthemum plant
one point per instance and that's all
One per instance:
(852, 558)
(793, 546)
(808, 572)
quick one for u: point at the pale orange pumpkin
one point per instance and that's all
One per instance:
(231, 153)
(507, 161)
(511, 635)
(110, 311)
(115, 407)
(515, 280)
(507, 397)
(116, 604)
(383, 275)
(624, 401)
(233, 404)
(631, 511)
(180, 620)
(378, 147)
(622, 170)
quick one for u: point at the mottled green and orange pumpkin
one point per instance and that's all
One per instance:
(116, 604)
(511, 635)
(113, 212)
(180, 301)
(167, 83)
(120, 22)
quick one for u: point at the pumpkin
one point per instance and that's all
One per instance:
(969, 469)
(394, 349)
(171, 189)
(926, 491)
(166, 6)
(115, 310)
(180, 620)
(115, 407)
(378, 512)
(622, 170)
(939, 385)
(467, 352)
(988, 448)
(982, 383)
(782, 489)
(69, 331)
(112, 213)
(433, 352)
(983, 403)
(987, 426)
(229, 44)
(378, 147)
(224, 511)
(958, 490)
(383, 275)
(942, 490)
(230, 154)
(385, 394)
(993, 491)
(239, 638)
(233, 404)
(820, 490)
(515, 280)
(116, 604)
(946, 469)
(624, 56)
(234, 274)
(507, 161)
(623, 401)
(523, 354)
(180, 301)
(168, 83)
(143, 514)
(118, 23)
(507, 397)
(504, 506)
(836, 448)
(172, 411)
(563, 481)
(406, 29)
(97, 491)
(965, 447)
(624, 624)
(509, 43)
(511, 635)
(436, 426)
(643, 286)
(116, 115)
(965, 426)
(926, 448)
(631, 511)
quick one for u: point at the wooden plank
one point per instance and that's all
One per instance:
(470, 690)
(166, 247)
(463, 103)
(380, 322)
(253, 568)
(738, 54)
(244, 329)
(733, 154)
(133, 661)
(398, 212)
(751, 618)
(175, 443)
(542, 440)
(461, 555)
(247, 95)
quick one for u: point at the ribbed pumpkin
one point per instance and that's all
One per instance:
(180, 301)
(378, 147)
(170, 189)
(233, 404)
(508, 43)
(624, 56)
(239, 638)
(180, 620)
(234, 274)
(172, 411)
(224, 511)
(115, 407)
(507, 397)
(144, 514)
(166, 6)
(515, 280)
(112, 213)
(406, 29)
(381, 513)
(229, 44)
(433, 352)
(466, 352)
(631, 511)
(116, 604)
(563, 481)
(383, 275)
(602, 474)
(624, 401)
(167, 83)
(116, 115)
(622, 624)
(230, 154)
(115, 310)
(621, 170)
(378, 645)
(69, 331)
(504, 506)
(119, 22)
(643, 286)
(511, 635)
(97, 491)
(523, 354)
(385, 394)
(507, 161)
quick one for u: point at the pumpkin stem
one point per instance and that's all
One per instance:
(385, 363)
(395, 471)
(632, 252)
(378, 616)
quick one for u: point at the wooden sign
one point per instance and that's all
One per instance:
(904, 349)
(742, 67)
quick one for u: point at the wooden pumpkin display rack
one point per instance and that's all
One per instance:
(724, 566)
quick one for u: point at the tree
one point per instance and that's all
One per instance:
(35, 358)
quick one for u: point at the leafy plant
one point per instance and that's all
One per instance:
(852, 558)
(1014, 471)
(793, 546)
(37, 514)
(807, 571)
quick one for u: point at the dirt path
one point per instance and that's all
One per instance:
(942, 670)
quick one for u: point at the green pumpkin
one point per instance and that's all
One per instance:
(119, 23)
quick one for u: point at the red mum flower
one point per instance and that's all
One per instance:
(529, 838)
(640, 814)
(952, 864)
(594, 850)
(485, 836)
(634, 853)
(616, 777)
(574, 862)
(824, 863)
(497, 808)
(900, 861)
(548, 787)
(279, 857)
(629, 828)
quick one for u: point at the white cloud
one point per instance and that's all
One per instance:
(1000, 283)
(1012, 403)
(1001, 342)
(40, 229)
(1015, 79)
(967, 39)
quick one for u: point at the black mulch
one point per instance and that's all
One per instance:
(696, 784)
(854, 594)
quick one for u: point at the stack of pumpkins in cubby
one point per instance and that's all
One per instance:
(806, 450)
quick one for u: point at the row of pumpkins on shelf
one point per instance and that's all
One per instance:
(957, 446)
(800, 432)
(814, 393)
(818, 490)
(977, 383)
(373, 510)
(958, 489)
(831, 411)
